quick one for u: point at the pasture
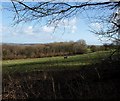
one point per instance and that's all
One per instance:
(86, 76)
(53, 63)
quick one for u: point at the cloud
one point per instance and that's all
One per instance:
(70, 25)
(0, 28)
(67, 24)
(73, 21)
(24, 30)
(73, 25)
(74, 28)
(28, 33)
(48, 29)
(5, 29)
(96, 25)
(29, 30)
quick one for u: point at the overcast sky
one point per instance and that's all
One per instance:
(75, 28)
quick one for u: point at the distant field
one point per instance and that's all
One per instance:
(48, 63)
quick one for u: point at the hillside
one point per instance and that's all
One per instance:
(84, 77)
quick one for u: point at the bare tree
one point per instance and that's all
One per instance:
(110, 25)
(108, 15)
(56, 11)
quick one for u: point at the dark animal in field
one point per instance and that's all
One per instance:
(65, 57)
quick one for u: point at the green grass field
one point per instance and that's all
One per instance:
(52, 63)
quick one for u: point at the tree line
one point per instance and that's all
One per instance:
(10, 51)
(43, 50)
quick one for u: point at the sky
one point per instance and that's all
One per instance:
(69, 30)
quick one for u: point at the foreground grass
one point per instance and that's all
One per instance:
(53, 63)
